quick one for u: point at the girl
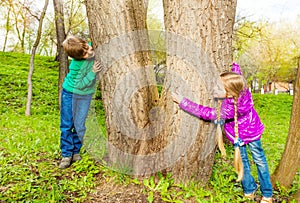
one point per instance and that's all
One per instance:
(242, 127)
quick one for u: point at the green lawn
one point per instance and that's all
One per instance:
(29, 146)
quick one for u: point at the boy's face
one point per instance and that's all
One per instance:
(90, 53)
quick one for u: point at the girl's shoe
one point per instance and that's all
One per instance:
(251, 195)
(266, 200)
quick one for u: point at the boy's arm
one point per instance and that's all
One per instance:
(87, 81)
(81, 79)
(90, 76)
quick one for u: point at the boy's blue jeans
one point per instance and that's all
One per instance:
(73, 112)
(260, 161)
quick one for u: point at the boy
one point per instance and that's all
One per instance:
(78, 88)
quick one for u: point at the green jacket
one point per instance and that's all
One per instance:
(80, 79)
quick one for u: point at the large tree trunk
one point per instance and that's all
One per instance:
(144, 134)
(62, 56)
(199, 48)
(128, 87)
(290, 161)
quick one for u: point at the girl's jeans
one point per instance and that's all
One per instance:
(73, 112)
(260, 161)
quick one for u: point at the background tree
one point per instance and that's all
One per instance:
(75, 18)
(70, 18)
(22, 22)
(62, 56)
(285, 172)
(48, 44)
(290, 161)
(8, 5)
(34, 48)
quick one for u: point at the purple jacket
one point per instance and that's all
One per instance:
(249, 124)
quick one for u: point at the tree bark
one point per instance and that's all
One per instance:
(128, 87)
(290, 161)
(146, 135)
(31, 69)
(199, 48)
(62, 56)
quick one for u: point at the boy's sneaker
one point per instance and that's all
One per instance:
(266, 200)
(65, 162)
(76, 157)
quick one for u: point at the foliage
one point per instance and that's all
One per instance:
(76, 19)
(19, 17)
(267, 52)
(29, 149)
(156, 33)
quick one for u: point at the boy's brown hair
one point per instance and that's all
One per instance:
(75, 47)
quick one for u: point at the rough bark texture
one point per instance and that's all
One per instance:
(62, 56)
(144, 134)
(199, 48)
(128, 88)
(290, 161)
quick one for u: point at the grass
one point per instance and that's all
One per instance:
(29, 146)
(275, 114)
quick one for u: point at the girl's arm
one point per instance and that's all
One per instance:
(204, 112)
(198, 110)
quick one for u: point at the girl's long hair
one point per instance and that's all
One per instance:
(234, 85)
(238, 164)
(219, 135)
